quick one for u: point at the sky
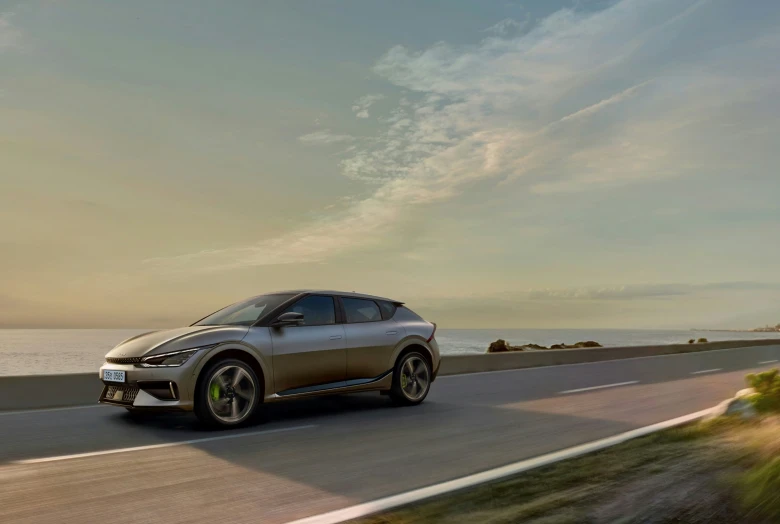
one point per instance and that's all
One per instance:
(508, 164)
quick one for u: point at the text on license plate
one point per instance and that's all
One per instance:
(111, 375)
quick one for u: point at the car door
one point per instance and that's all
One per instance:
(313, 354)
(370, 339)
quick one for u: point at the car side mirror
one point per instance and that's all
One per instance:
(290, 318)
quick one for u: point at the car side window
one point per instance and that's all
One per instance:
(361, 310)
(318, 310)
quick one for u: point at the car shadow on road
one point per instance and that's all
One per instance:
(303, 410)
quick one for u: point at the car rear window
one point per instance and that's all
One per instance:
(388, 309)
(360, 310)
(404, 313)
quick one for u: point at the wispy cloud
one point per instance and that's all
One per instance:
(360, 108)
(506, 27)
(10, 36)
(632, 292)
(325, 137)
(612, 292)
(639, 91)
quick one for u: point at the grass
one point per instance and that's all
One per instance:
(721, 471)
(767, 387)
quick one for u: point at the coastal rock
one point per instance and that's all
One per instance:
(502, 346)
(588, 344)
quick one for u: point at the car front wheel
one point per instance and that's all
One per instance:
(228, 395)
(411, 379)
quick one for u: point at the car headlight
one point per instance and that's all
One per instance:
(170, 360)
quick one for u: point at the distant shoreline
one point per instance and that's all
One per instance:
(739, 330)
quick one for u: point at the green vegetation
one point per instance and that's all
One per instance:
(692, 341)
(718, 471)
(767, 391)
(703, 341)
(760, 490)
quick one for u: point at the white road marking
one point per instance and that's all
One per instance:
(384, 504)
(158, 446)
(598, 387)
(706, 371)
(768, 362)
(48, 410)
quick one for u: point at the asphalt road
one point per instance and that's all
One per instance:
(315, 456)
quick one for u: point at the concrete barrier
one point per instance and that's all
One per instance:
(460, 364)
(81, 389)
(49, 391)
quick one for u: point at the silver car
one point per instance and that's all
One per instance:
(274, 347)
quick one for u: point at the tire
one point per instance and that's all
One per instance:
(228, 394)
(411, 379)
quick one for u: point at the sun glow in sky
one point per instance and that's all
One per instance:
(493, 164)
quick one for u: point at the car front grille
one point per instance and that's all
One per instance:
(128, 360)
(127, 397)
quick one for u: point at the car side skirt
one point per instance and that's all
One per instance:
(382, 382)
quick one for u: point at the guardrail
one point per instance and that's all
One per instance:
(81, 389)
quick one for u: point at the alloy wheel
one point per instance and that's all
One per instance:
(415, 378)
(231, 394)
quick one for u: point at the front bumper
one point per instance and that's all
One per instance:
(165, 389)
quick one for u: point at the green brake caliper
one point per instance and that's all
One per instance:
(404, 381)
(215, 391)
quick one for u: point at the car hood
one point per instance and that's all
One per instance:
(156, 342)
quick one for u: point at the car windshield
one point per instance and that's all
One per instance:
(244, 313)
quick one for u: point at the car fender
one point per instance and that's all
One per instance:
(412, 340)
(211, 353)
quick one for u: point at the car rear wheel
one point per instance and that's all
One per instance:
(228, 394)
(411, 379)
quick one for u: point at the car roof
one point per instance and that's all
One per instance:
(333, 292)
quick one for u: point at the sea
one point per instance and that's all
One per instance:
(57, 351)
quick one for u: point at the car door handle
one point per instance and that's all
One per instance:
(391, 333)
(335, 337)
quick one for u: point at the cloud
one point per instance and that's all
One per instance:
(360, 108)
(612, 292)
(506, 27)
(632, 292)
(10, 36)
(583, 101)
(325, 137)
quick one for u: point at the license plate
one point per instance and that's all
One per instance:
(112, 375)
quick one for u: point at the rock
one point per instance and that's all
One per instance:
(499, 346)
(588, 344)
(734, 406)
(578, 345)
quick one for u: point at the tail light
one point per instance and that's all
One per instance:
(434, 332)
